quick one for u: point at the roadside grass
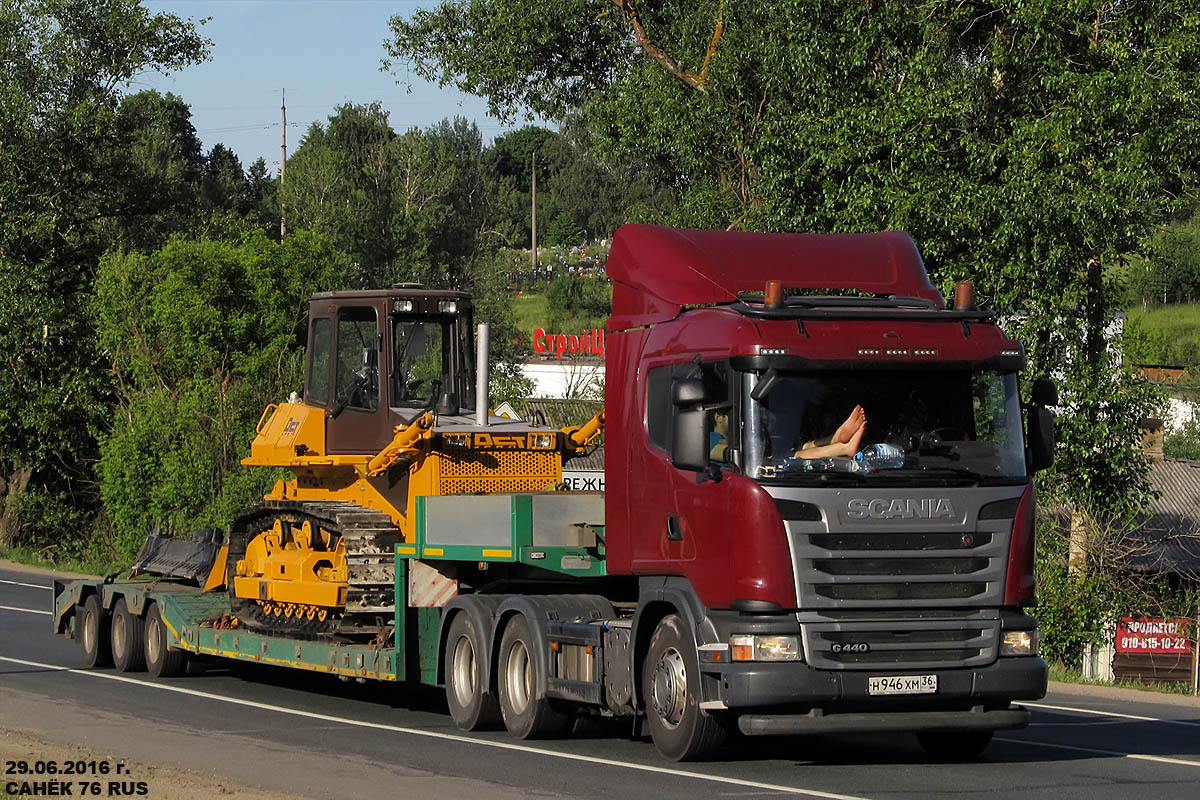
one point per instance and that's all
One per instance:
(1063, 674)
(45, 558)
(532, 310)
(1167, 335)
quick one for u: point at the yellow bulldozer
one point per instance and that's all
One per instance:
(394, 409)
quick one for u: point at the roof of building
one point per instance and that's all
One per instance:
(556, 412)
(1169, 541)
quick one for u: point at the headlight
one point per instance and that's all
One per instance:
(457, 439)
(764, 648)
(402, 306)
(1020, 643)
(448, 306)
(541, 441)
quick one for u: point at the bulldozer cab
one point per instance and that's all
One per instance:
(380, 358)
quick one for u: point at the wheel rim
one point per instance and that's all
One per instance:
(463, 671)
(118, 635)
(89, 632)
(153, 646)
(668, 689)
(517, 677)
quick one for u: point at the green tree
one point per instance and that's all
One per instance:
(1028, 146)
(64, 62)
(202, 335)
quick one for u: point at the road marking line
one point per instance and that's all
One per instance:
(27, 610)
(30, 585)
(1117, 714)
(437, 735)
(1137, 756)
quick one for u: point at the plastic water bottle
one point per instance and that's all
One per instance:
(879, 456)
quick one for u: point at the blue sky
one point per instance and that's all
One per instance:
(324, 52)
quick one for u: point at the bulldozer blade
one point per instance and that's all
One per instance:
(177, 558)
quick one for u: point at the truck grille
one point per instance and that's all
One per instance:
(879, 570)
(917, 644)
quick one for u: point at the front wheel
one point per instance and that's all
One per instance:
(526, 715)
(472, 706)
(954, 745)
(671, 692)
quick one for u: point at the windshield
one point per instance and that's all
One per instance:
(422, 362)
(868, 425)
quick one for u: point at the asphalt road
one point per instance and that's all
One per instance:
(319, 737)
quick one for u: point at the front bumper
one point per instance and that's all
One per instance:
(828, 701)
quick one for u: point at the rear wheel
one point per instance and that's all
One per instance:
(472, 706)
(128, 639)
(671, 691)
(526, 715)
(954, 745)
(161, 660)
(93, 628)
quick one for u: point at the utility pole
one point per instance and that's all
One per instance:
(533, 217)
(282, 157)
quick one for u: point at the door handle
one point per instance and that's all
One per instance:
(674, 528)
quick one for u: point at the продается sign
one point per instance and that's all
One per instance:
(1142, 635)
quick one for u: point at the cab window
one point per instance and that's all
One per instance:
(318, 362)
(357, 358)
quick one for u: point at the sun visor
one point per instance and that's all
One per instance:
(657, 270)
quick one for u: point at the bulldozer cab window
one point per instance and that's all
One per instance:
(318, 362)
(357, 358)
(421, 360)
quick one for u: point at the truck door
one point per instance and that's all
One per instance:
(355, 421)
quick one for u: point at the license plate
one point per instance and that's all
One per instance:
(902, 684)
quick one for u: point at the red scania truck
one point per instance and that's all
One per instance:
(760, 586)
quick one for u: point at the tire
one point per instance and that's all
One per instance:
(93, 628)
(472, 706)
(526, 714)
(162, 661)
(671, 692)
(128, 639)
(954, 745)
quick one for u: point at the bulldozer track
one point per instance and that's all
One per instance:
(369, 538)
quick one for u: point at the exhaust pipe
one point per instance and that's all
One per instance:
(481, 376)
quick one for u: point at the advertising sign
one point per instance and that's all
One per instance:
(584, 343)
(1145, 635)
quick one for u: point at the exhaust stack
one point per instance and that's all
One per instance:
(481, 376)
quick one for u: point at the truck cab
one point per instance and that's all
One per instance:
(829, 592)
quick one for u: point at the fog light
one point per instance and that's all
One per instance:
(764, 648)
(1020, 643)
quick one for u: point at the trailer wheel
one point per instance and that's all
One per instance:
(954, 745)
(93, 627)
(162, 661)
(526, 715)
(128, 639)
(671, 690)
(472, 706)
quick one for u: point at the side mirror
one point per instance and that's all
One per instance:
(1044, 392)
(1041, 438)
(689, 433)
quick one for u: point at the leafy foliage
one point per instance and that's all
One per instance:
(202, 335)
(60, 186)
